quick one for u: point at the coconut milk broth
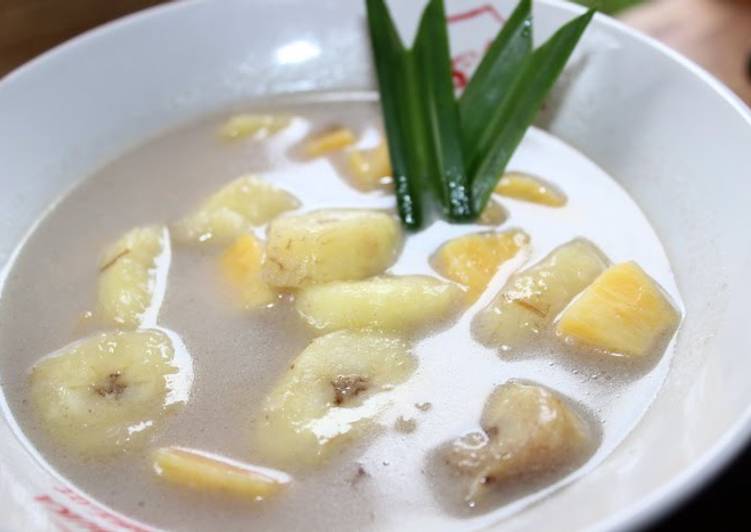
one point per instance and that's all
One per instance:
(238, 356)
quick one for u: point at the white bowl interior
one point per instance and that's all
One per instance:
(673, 137)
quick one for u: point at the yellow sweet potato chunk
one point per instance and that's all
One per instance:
(245, 125)
(493, 214)
(328, 142)
(622, 312)
(530, 188)
(241, 265)
(370, 169)
(472, 260)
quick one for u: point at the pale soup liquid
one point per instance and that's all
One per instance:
(238, 356)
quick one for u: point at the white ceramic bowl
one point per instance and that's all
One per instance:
(673, 136)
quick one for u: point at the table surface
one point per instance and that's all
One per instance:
(714, 33)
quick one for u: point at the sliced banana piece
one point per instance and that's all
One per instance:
(399, 304)
(530, 188)
(207, 472)
(128, 284)
(330, 245)
(241, 265)
(473, 260)
(527, 430)
(532, 299)
(329, 396)
(108, 393)
(234, 210)
(623, 312)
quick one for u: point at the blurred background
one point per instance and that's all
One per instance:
(714, 33)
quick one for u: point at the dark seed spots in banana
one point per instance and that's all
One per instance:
(347, 386)
(113, 387)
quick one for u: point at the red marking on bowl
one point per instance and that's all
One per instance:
(63, 512)
(108, 520)
(485, 9)
(462, 64)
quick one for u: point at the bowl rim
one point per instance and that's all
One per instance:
(676, 491)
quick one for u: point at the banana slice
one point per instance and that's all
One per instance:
(399, 304)
(528, 430)
(206, 472)
(330, 245)
(241, 265)
(532, 299)
(329, 396)
(472, 260)
(623, 312)
(234, 210)
(527, 187)
(108, 393)
(129, 287)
